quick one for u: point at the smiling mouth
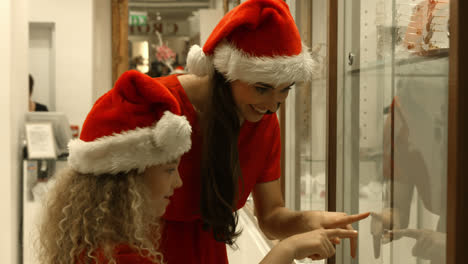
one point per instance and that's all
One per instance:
(259, 111)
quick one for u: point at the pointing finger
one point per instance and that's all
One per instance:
(353, 242)
(341, 233)
(349, 219)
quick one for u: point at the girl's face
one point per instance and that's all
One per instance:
(162, 180)
(254, 100)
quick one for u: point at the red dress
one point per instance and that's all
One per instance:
(123, 254)
(184, 241)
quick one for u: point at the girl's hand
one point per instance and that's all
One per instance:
(330, 220)
(317, 244)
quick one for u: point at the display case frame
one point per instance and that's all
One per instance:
(457, 200)
(119, 38)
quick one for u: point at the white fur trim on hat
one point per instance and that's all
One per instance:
(137, 149)
(238, 65)
(198, 63)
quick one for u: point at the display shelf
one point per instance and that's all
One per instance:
(413, 59)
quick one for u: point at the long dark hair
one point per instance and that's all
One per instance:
(220, 168)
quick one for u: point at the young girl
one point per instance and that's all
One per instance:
(122, 171)
(106, 207)
(253, 57)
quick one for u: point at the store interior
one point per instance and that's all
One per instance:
(392, 114)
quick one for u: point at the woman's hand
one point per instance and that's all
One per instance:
(317, 244)
(331, 220)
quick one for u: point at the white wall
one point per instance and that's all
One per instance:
(13, 105)
(194, 25)
(73, 22)
(74, 81)
(209, 18)
(102, 48)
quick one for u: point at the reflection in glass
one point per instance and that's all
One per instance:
(395, 128)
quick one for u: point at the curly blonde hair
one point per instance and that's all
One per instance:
(88, 213)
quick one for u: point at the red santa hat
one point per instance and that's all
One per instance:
(135, 125)
(257, 41)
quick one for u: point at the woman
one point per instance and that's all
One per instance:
(106, 207)
(253, 57)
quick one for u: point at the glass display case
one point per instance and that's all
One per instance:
(392, 127)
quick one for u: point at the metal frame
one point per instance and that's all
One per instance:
(332, 102)
(290, 166)
(342, 115)
(457, 200)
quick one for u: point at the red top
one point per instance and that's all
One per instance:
(259, 153)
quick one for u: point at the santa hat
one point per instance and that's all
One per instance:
(257, 41)
(135, 125)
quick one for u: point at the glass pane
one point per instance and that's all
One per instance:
(309, 112)
(311, 109)
(395, 100)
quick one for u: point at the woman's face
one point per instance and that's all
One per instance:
(162, 180)
(254, 100)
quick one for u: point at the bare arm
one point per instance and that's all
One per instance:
(317, 244)
(278, 222)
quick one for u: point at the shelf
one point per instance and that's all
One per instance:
(432, 55)
(311, 160)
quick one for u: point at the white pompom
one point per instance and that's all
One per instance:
(198, 63)
(172, 134)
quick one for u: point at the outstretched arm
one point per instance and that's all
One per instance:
(317, 244)
(278, 222)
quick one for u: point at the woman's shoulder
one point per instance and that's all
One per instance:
(196, 88)
(173, 84)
